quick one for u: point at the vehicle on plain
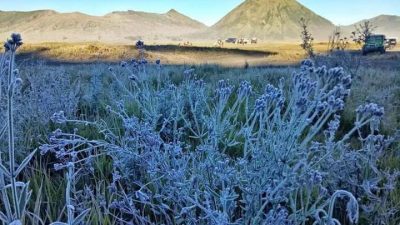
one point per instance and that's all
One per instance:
(243, 41)
(375, 43)
(231, 40)
(391, 42)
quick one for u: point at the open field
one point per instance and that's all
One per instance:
(202, 138)
(172, 53)
(114, 116)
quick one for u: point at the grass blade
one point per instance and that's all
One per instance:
(81, 217)
(24, 163)
(4, 170)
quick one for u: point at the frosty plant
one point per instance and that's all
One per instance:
(14, 194)
(75, 154)
(69, 198)
(190, 152)
(327, 217)
(202, 154)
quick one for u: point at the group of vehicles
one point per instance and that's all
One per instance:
(242, 41)
(185, 44)
(373, 43)
(378, 43)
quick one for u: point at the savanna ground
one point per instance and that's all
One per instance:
(230, 55)
(376, 78)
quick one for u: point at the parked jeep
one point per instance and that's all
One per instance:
(391, 42)
(375, 43)
(231, 40)
(243, 41)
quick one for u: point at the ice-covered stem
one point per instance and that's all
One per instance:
(2, 61)
(6, 200)
(121, 84)
(12, 45)
(3, 129)
(352, 205)
(69, 204)
(75, 147)
(15, 206)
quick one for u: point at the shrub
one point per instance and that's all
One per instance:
(306, 38)
(363, 31)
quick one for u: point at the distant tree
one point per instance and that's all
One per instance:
(307, 38)
(337, 41)
(363, 31)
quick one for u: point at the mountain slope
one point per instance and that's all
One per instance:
(270, 20)
(385, 24)
(47, 25)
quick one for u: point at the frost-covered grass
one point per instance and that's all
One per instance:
(144, 143)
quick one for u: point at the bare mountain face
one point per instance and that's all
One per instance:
(276, 20)
(47, 25)
(388, 25)
(271, 20)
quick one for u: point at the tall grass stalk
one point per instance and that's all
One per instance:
(20, 194)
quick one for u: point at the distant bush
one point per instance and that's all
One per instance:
(363, 31)
(306, 38)
(337, 42)
(92, 49)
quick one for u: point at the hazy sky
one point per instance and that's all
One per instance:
(341, 12)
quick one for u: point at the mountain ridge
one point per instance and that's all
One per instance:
(118, 26)
(269, 20)
(384, 24)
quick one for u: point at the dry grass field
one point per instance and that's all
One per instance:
(173, 53)
(231, 55)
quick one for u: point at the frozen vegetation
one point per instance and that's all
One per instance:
(140, 147)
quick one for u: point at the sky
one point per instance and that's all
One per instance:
(345, 12)
(340, 12)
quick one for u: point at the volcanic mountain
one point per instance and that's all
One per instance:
(383, 24)
(270, 20)
(48, 25)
